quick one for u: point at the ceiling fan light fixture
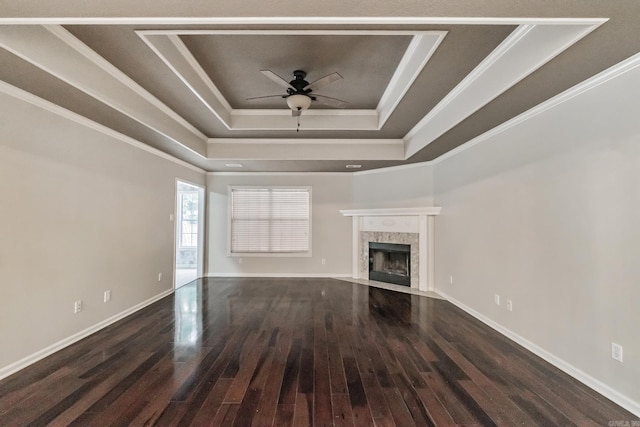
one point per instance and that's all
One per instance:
(298, 102)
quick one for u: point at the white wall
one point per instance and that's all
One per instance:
(331, 232)
(397, 187)
(80, 213)
(546, 214)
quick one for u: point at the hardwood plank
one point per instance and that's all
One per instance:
(202, 381)
(158, 397)
(108, 386)
(254, 345)
(357, 396)
(322, 412)
(412, 400)
(267, 406)
(375, 398)
(455, 407)
(482, 385)
(302, 414)
(435, 409)
(305, 376)
(226, 415)
(284, 415)
(12, 398)
(296, 352)
(401, 414)
(289, 387)
(342, 415)
(249, 405)
(336, 369)
(207, 411)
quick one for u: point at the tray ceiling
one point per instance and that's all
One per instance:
(417, 87)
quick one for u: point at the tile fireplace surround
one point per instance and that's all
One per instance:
(412, 226)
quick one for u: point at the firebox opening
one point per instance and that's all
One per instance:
(390, 262)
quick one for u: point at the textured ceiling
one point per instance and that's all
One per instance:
(366, 63)
(418, 83)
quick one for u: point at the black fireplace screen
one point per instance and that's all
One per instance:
(390, 262)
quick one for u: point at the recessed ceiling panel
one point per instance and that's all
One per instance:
(167, 84)
(233, 62)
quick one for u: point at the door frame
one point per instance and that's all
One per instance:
(201, 226)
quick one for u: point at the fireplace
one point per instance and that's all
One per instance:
(413, 226)
(390, 262)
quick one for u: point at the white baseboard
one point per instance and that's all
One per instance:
(595, 384)
(33, 358)
(298, 275)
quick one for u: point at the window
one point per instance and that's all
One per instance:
(270, 220)
(188, 212)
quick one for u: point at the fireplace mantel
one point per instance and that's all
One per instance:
(418, 220)
(392, 211)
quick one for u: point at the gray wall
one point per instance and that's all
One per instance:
(546, 214)
(81, 212)
(331, 232)
(399, 187)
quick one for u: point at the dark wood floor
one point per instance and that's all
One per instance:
(297, 352)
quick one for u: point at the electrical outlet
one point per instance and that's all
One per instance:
(509, 305)
(107, 296)
(324, 261)
(616, 352)
(496, 299)
(159, 277)
(239, 260)
(77, 306)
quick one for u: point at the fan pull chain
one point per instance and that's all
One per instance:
(298, 128)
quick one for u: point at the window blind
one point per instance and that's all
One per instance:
(269, 220)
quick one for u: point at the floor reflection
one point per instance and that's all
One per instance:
(188, 315)
(390, 307)
(185, 275)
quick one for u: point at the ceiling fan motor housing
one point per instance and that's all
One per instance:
(299, 83)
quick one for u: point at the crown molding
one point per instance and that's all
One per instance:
(282, 149)
(418, 53)
(170, 49)
(223, 173)
(305, 141)
(83, 121)
(56, 51)
(294, 20)
(394, 168)
(591, 83)
(515, 58)
(428, 210)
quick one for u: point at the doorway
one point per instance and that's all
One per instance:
(189, 233)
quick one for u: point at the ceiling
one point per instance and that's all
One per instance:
(418, 80)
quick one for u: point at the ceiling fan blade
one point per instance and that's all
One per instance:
(276, 79)
(296, 113)
(331, 102)
(262, 97)
(324, 81)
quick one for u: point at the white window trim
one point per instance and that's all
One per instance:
(306, 254)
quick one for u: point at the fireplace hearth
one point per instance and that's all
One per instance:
(390, 263)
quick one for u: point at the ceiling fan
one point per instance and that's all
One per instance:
(300, 93)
